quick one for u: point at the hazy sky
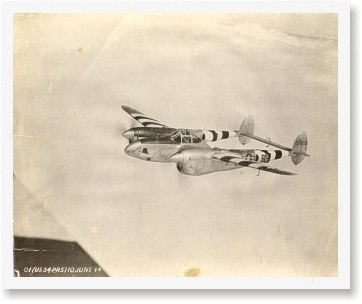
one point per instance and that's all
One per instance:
(73, 72)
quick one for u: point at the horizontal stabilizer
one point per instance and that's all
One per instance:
(267, 141)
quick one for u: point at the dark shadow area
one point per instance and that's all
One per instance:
(37, 257)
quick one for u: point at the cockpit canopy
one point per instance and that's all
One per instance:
(185, 137)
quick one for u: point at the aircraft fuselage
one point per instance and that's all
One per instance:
(191, 159)
(195, 158)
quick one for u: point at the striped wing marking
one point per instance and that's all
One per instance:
(239, 161)
(143, 119)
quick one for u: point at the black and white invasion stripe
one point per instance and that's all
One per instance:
(252, 156)
(213, 135)
(147, 121)
(265, 156)
(261, 156)
(143, 119)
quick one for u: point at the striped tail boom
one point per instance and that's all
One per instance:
(214, 135)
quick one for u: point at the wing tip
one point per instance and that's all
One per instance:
(130, 110)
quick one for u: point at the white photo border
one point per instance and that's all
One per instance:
(342, 8)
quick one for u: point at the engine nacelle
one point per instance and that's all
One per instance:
(199, 162)
(190, 161)
(136, 133)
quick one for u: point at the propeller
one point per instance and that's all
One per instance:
(125, 123)
(184, 181)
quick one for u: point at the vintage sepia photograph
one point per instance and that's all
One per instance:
(175, 145)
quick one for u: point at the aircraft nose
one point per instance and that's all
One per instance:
(177, 158)
(132, 148)
(128, 134)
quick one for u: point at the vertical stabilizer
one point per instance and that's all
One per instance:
(299, 150)
(247, 127)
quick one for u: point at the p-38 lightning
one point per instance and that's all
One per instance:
(189, 148)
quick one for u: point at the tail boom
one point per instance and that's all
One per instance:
(215, 135)
(297, 153)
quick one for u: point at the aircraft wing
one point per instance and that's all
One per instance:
(143, 119)
(232, 158)
(270, 169)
